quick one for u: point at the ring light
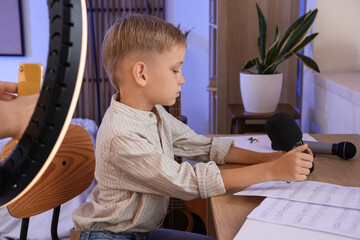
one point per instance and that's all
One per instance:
(57, 101)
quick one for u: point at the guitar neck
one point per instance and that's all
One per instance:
(175, 110)
(176, 203)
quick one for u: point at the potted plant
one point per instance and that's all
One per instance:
(261, 90)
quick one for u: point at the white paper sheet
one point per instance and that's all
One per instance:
(337, 220)
(273, 231)
(313, 215)
(263, 143)
(308, 192)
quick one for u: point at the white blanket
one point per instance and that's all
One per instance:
(40, 225)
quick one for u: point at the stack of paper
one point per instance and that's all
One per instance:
(312, 205)
(328, 208)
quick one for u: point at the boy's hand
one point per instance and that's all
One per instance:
(293, 165)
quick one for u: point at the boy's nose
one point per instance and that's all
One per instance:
(182, 80)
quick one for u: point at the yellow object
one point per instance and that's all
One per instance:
(30, 78)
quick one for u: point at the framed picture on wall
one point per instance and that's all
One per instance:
(11, 34)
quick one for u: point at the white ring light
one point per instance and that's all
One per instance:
(56, 105)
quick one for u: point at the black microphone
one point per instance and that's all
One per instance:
(344, 150)
(284, 133)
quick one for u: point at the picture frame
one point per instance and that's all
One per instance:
(11, 29)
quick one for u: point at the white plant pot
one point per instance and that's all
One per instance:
(260, 93)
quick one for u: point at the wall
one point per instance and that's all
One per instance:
(328, 104)
(194, 15)
(337, 47)
(190, 14)
(36, 38)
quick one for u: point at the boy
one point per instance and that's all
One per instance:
(137, 141)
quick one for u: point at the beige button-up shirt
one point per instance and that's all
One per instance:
(137, 173)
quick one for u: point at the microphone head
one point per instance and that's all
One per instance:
(283, 132)
(346, 150)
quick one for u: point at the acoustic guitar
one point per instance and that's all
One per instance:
(180, 215)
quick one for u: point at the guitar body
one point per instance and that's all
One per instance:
(184, 220)
(199, 225)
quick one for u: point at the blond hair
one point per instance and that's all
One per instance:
(147, 34)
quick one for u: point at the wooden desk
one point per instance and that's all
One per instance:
(229, 212)
(239, 116)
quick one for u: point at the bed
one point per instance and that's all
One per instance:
(40, 225)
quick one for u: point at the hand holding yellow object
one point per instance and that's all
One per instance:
(16, 111)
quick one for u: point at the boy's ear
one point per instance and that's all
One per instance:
(139, 72)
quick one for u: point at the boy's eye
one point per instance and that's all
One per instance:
(175, 71)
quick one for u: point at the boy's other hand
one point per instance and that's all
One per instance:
(23, 110)
(16, 114)
(7, 89)
(292, 166)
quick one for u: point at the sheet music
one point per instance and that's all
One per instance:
(328, 208)
(337, 220)
(263, 143)
(308, 192)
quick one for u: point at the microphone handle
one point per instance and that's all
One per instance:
(301, 142)
(322, 147)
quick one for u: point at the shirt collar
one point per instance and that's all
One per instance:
(130, 112)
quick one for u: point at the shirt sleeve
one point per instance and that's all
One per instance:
(141, 168)
(196, 147)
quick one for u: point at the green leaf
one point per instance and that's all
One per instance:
(271, 54)
(293, 41)
(249, 64)
(260, 67)
(257, 62)
(308, 62)
(262, 32)
(305, 42)
(291, 28)
(258, 45)
(270, 69)
(277, 34)
(300, 46)
(297, 35)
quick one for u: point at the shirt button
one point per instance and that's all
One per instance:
(151, 115)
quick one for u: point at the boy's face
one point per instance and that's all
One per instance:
(165, 77)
